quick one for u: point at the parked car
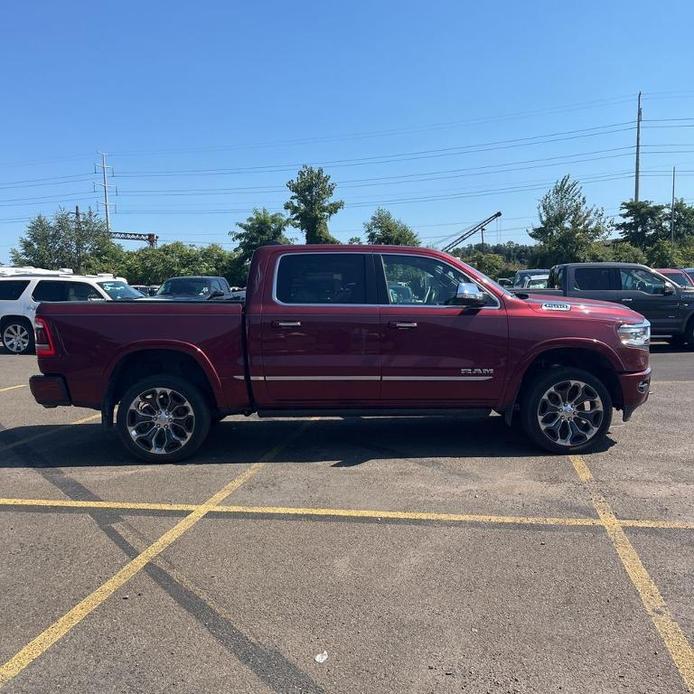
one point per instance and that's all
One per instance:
(145, 289)
(193, 288)
(668, 307)
(535, 281)
(521, 275)
(690, 272)
(320, 333)
(505, 281)
(21, 294)
(677, 276)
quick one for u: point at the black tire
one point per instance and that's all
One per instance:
(177, 435)
(12, 332)
(577, 430)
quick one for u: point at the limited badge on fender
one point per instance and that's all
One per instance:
(556, 306)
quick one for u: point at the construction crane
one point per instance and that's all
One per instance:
(469, 232)
(151, 239)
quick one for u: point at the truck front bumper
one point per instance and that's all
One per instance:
(50, 391)
(635, 390)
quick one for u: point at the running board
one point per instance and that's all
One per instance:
(480, 413)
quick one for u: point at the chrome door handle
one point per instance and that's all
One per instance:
(286, 324)
(402, 326)
(627, 299)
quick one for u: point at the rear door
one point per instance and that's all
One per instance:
(595, 282)
(320, 332)
(435, 352)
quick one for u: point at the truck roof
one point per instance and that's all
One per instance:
(601, 264)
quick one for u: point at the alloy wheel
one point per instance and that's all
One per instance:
(16, 338)
(570, 413)
(160, 421)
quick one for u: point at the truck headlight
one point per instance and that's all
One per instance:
(635, 334)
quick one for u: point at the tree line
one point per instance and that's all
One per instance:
(568, 229)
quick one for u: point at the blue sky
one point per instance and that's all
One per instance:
(443, 112)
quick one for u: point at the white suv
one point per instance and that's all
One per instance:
(20, 294)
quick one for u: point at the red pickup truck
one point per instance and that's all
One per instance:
(345, 331)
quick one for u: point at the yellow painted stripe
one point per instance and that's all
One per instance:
(51, 432)
(405, 515)
(110, 505)
(344, 513)
(670, 632)
(68, 621)
(8, 388)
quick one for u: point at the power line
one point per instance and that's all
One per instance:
(402, 156)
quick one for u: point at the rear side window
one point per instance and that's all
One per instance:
(321, 278)
(594, 279)
(12, 289)
(48, 290)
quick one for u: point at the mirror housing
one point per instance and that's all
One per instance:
(469, 294)
(668, 289)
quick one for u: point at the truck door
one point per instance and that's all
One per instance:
(645, 292)
(435, 352)
(320, 332)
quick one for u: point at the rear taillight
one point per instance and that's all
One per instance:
(45, 347)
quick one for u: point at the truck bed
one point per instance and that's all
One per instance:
(94, 338)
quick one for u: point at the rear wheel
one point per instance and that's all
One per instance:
(163, 419)
(566, 410)
(18, 336)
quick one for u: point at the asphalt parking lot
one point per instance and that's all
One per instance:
(423, 555)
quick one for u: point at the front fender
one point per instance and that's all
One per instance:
(521, 366)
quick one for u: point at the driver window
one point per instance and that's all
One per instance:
(638, 280)
(415, 280)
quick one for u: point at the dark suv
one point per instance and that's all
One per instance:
(194, 288)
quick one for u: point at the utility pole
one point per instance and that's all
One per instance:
(672, 209)
(103, 166)
(637, 167)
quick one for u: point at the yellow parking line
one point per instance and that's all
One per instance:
(8, 388)
(110, 505)
(405, 515)
(68, 621)
(345, 513)
(670, 632)
(43, 434)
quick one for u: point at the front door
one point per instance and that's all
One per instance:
(320, 332)
(435, 352)
(644, 292)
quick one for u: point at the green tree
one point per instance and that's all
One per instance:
(311, 206)
(64, 241)
(260, 228)
(643, 223)
(684, 222)
(355, 241)
(569, 230)
(664, 254)
(384, 229)
(624, 252)
(490, 264)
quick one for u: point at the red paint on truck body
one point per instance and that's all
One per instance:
(269, 356)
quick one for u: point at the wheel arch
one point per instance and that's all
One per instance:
(138, 363)
(594, 361)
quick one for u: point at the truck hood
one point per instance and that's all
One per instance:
(587, 308)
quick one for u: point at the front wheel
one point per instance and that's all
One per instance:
(566, 410)
(163, 419)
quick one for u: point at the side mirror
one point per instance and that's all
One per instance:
(469, 294)
(215, 294)
(668, 289)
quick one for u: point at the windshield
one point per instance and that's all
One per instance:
(185, 286)
(119, 291)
